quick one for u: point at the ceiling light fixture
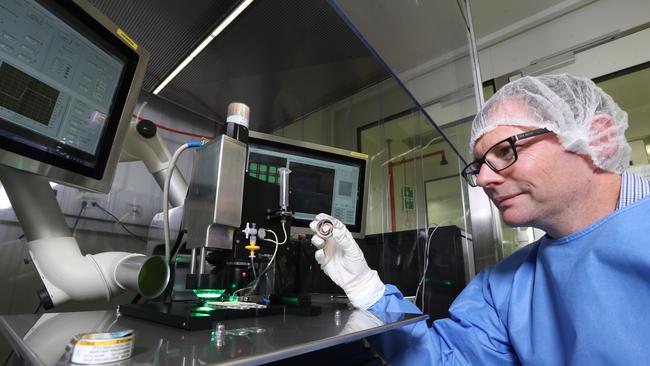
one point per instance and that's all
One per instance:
(203, 44)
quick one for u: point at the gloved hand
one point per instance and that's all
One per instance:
(342, 260)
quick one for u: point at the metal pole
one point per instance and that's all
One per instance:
(473, 55)
(193, 261)
(485, 224)
(202, 260)
(35, 205)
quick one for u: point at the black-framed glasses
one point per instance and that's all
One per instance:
(500, 156)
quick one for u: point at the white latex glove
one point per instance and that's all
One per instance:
(342, 260)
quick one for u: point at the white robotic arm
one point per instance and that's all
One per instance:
(144, 143)
(66, 273)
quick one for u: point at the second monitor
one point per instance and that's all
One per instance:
(323, 179)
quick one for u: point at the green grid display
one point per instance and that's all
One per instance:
(264, 172)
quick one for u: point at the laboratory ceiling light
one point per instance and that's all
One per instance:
(203, 44)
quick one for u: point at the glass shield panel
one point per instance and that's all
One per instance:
(417, 199)
(423, 45)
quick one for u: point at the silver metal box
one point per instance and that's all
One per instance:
(213, 205)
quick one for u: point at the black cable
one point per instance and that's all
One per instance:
(167, 294)
(118, 221)
(177, 245)
(9, 357)
(76, 221)
(38, 308)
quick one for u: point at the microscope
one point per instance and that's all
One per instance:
(226, 216)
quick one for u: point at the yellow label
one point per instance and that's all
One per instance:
(108, 342)
(358, 154)
(125, 37)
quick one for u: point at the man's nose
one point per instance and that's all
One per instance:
(487, 176)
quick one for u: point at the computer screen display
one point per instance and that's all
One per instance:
(322, 179)
(64, 82)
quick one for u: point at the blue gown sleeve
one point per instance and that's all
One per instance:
(473, 335)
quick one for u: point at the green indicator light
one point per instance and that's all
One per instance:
(232, 298)
(199, 314)
(263, 168)
(271, 179)
(252, 166)
(233, 286)
(263, 177)
(209, 294)
(203, 309)
(253, 175)
(273, 169)
(291, 300)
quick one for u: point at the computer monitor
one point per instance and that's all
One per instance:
(69, 80)
(323, 179)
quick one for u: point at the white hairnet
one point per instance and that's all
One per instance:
(566, 105)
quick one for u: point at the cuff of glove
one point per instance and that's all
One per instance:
(367, 292)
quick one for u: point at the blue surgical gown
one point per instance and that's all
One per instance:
(583, 299)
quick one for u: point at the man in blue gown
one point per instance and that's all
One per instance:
(550, 153)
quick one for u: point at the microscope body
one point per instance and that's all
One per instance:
(213, 207)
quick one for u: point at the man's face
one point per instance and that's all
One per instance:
(540, 188)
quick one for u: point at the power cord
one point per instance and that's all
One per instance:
(9, 357)
(76, 221)
(254, 284)
(427, 248)
(117, 221)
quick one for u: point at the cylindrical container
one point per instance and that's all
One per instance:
(325, 228)
(149, 275)
(237, 121)
(284, 187)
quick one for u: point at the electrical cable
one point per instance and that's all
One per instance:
(427, 247)
(254, 284)
(167, 294)
(253, 268)
(76, 221)
(117, 221)
(170, 170)
(177, 245)
(9, 357)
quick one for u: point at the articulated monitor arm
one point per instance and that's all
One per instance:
(66, 273)
(144, 143)
(69, 275)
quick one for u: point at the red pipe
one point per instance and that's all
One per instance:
(391, 184)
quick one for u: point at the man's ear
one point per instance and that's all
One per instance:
(606, 143)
